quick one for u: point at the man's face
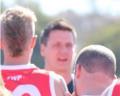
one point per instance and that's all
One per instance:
(58, 52)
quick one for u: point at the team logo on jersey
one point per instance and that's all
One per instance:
(26, 90)
(14, 78)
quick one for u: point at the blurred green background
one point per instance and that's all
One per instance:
(92, 28)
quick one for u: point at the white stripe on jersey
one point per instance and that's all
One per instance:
(108, 91)
(16, 67)
(52, 85)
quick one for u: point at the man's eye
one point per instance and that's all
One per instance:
(69, 45)
(57, 45)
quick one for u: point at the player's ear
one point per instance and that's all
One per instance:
(77, 71)
(42, 49)
(34, 38)
(1, 43)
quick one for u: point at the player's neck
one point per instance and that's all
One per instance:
(8, 60)
(65, 73)
(94, 86)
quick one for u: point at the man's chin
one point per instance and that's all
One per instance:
(62, 63)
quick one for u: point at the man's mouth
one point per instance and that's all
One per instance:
(62, 59)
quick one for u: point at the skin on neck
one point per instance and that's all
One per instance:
(65, 73)
(16, 60)
(92, 83)
(23, 59)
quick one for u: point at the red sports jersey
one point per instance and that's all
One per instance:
(116, 90)
(113, 89)
(28, 80)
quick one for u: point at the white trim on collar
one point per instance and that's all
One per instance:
(16, 67)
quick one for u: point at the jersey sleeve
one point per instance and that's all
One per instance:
(61, 81)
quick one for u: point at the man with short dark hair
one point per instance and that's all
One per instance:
(95, 72)
(57, 48)
(17, 42)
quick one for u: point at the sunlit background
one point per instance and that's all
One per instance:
(83, 7)
(96, 21)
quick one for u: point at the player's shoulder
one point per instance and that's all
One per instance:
(44, 72)
(117, 85)
(116, 89)
(55, 75)
(41, 71)
(59, 83)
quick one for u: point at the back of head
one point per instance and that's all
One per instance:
(17, 26)
(97, 58)
(58, 24)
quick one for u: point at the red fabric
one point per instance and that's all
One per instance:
(116, 90)
(28, 81)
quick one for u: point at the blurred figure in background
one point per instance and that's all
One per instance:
(95, 72)
(58, 47)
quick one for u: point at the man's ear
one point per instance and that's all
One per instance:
(33, 41)
(1, 44)
(77, 71)
(42, 49)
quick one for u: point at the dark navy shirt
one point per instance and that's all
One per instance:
(70, 86)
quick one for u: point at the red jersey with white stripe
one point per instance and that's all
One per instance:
(28, 80)
(113, 89)
(116, 89)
